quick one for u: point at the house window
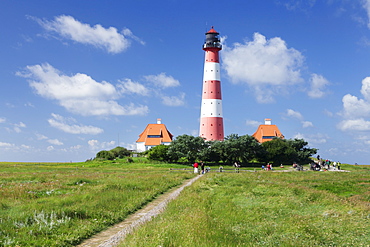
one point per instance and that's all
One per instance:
(268, 137)
(154, 136)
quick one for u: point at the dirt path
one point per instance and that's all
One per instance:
(113, 235)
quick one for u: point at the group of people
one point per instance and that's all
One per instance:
(268, 167)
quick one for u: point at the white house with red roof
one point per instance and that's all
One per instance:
(153, 135)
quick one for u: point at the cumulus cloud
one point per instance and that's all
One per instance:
(318, 84)
(297, 115)
(174, 100)
(128, 86)
(108, 39)
(266, 66)
(359, 124)
(78, 93)
(356, 110)
(353, 107)
(162, 80)
(66, 125)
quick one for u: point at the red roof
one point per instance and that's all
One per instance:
(212, 30)
(266, 132)
(155, 134)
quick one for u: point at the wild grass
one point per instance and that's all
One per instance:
(265, 209)
(51, 204)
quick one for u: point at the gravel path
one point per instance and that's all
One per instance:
(115, 234)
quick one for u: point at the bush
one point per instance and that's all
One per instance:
(105, 155)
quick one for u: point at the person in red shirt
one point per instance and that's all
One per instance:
(196, 170)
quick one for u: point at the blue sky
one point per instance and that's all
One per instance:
(78, 77)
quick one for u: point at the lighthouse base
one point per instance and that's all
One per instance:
(212, 128)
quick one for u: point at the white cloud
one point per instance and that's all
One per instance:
(77, 147)
(252, 123)
(79, 93)
(297, 115)
(17, 127)
(93, 143)
(294, 114)
(354, 107)
(25, 146)
(318, 84)
(264, 65)
(96, 145)
(63, 124)
(306, 124)
(365, 89)
(174, 100)
(129, 87)
(128, 33)
(162, 80)
(2, 120)
(108, 39)
(354, 124)
(356, 110)
(55, 142)
(41, 137)
(312, 139)
(6, 145)
(302, 5)
(50, 148)
(366, 5)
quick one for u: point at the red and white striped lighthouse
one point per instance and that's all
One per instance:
(211, 119)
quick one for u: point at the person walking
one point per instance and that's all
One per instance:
(196, 167)
(202, 166)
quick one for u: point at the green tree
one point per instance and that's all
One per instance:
(282, 151)
(240, 149)
(303, 153)
(159, 153)
(120, 152)
(186, 146)
(105, 155)
(212, 151)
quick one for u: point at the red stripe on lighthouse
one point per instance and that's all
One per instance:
(212, 90)
(212, 55)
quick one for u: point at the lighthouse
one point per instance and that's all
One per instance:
(211, 119)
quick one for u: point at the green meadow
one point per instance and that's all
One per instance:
(50, 204)
(266, 209)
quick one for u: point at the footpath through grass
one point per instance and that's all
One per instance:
(266, 209)
(62, 204)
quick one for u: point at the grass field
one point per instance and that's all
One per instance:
(50, 204)
(266, 209)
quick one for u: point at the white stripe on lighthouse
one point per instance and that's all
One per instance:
(211, 72)
(211, 108)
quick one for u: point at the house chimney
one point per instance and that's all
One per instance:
(267, 121)
(159, 121)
